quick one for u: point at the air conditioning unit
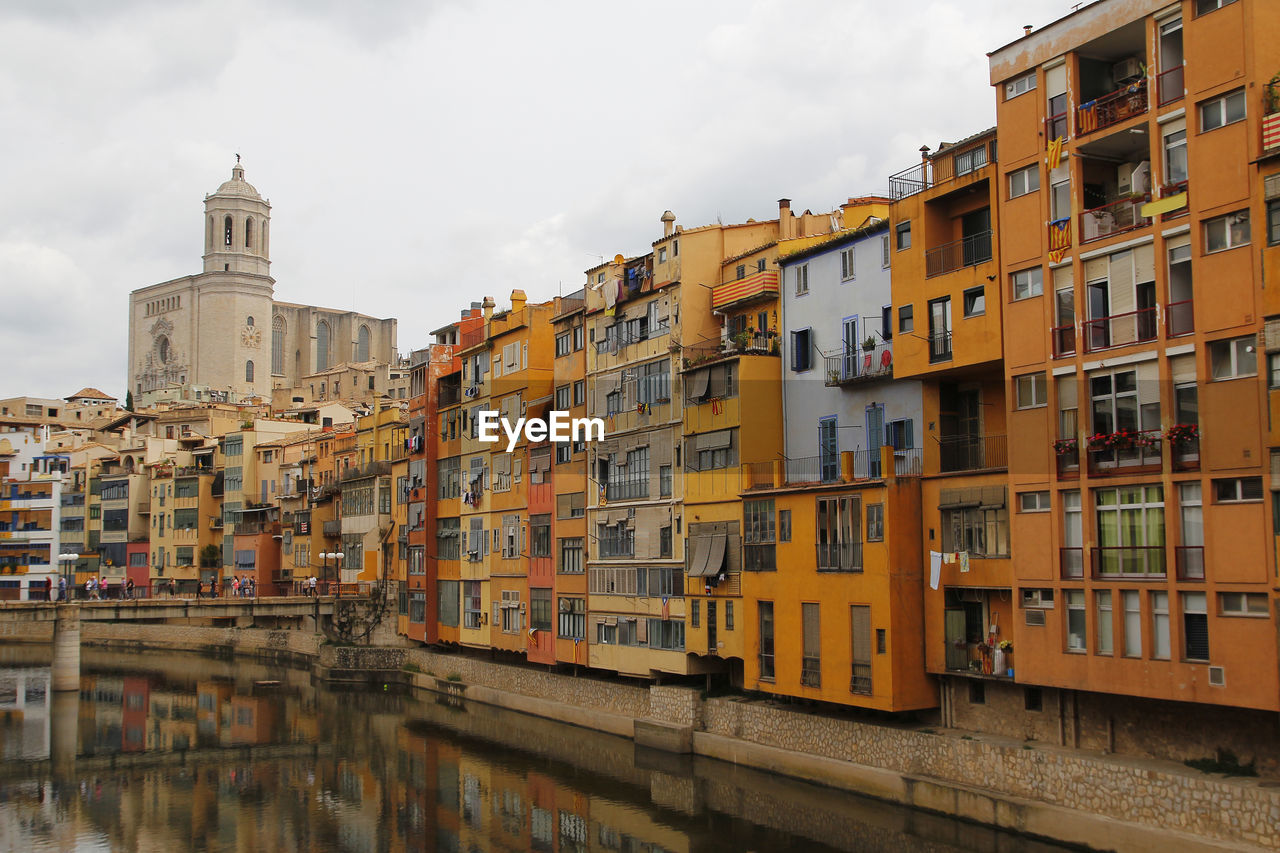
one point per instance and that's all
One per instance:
(1217, 676)
(1126, 71)
(1133, 177)
(1034, 618)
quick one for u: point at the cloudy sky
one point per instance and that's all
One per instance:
(418, 155)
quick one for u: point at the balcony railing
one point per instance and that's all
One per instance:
(972, 453)
(839, 556)
(1112, 108)
(1190, 562)
(1071, 563)
(1143, 452)
(909, 181)
(1185, 454)
(1169, 86)
(970, 251)
(1068, 464)
(1114, 217)
(1129, 561)
(1271, 117)
(759, 285)
(860, 365)
(332, 527)
(1179, 318)
(1119, 330)
(1064, 340)
(939, 346)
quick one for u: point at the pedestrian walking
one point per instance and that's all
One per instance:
(173, 587)
(199, 590)
(62, 589)
(235, 585)
(128, 589)
(313, 586)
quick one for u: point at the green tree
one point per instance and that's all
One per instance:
(128, 401)
(210, 557)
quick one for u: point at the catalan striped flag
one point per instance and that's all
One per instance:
(1054, 152)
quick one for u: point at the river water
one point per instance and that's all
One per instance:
(165, 752)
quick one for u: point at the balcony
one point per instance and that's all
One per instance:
(819, 470)
(758, 286)
(744, 343)
(939, 346)
(1064, 340)
(1169, 85)
(964, 158)
(1271, 117)
(839, 556)
(1137, 562)
(332, 527)
(1118, 330)
(1114, 217)
(1185, 453)
(1071, 563)
(1124, 452)
(967, 252)
(1112, 108)
(864, 365)
(1189, 560)
(909, 181)
(1068, 460)
(972, 453)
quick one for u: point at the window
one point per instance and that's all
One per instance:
(975, 301)
(1024, 181)
(1019, 85)
(666, 634)
(540, 536)
(471, 604)
(1233, 358)
(1243, 604)
(248, 371)
(886, 322)
(577, 338)
(654, 382)
(758, 536)
(802, 279)
(1206, 6)
(1074, 600)
(940, 329)
(1237, 490)
(664, 481)
(967, 161)
(562, 397)
(906, 318)
(1027, 283)
(695, 613)
(1130, 530)
(662, 255)
(571, 556)
(728, 615)
(1160, 625)
(884, 251)
(902, 233)
(1195, 625)
(1226, 232)
(1132, 602)
(839, 535)
(1102, 608)
(712, 450)
(1221, 111)
(1033, 502)
(811, 653)
(982, 529)
(573, 618)
(741, 272)
(564, 344)
(847, 268)
(784, 525)
(616, 540)
(1031, 390)
(540, 609)
(875, 522)
(801, 350)
(1175, 157)
(766, 640)
(580, 392)
(761, 264)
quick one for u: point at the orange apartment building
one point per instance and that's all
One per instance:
(944, 255)
(1144, 576)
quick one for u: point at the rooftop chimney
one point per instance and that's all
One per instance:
(487, 307)
(517, 300)
(786, 225)
(1026, 29)
(668, 223)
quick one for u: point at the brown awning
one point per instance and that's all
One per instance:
(708, 555)
(699, 382)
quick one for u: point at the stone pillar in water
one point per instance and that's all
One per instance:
(66, 648)
(64, 717)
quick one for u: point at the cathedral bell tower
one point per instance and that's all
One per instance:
(237, 232)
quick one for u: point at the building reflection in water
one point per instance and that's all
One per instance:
(183, 753)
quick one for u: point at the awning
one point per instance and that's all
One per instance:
(960, 504)
(608, 383)
(715, 440)
(699, 382)
(708, 555)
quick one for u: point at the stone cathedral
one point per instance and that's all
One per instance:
(221, 335)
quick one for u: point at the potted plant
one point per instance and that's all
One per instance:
(1006, 646)
(869, 344)
(1146, 439)
(1183, 433)
(1065, 446)
(740, 340)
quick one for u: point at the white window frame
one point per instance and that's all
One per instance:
(1027, 283)
(1235, 487)
(885, 251)
(1024, 181)
(1033, 502)
(1241, 604)
(1231, 230)
(1031, 390)
(1020, 85)
(848, 264)
(1234, 350)
(802, 279)
(1218, 110)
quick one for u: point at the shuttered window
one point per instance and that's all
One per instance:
(860, 630)
(1195, 625)
(811, 659)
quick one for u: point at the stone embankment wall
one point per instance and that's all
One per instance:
(1101, 800)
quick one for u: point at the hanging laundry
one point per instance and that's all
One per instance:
(935, 569)
(964, 561)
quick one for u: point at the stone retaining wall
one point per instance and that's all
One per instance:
(1228, 809)
(258, 642)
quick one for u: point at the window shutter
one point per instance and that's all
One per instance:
(1271, 334)
(1271, 186)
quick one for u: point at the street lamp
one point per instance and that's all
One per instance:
(68, 561)
(336, 556)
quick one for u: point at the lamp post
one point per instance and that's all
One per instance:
(67, 561)
(336, 556)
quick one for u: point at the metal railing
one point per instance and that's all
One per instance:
(1143, 452)
(1179, 318)
(859, 364)
(1114, 217)
(839, 556)
(940, 346)
(1185, 454)
(967, 252)
(1111, 108)
(909, 181)
(1129, 561)
(332, 527)
(1190, 562)
(1117, 330)
(1169, 86)
(1071, 563)
(1064, 340)
(972, 453)
(1069, 463)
